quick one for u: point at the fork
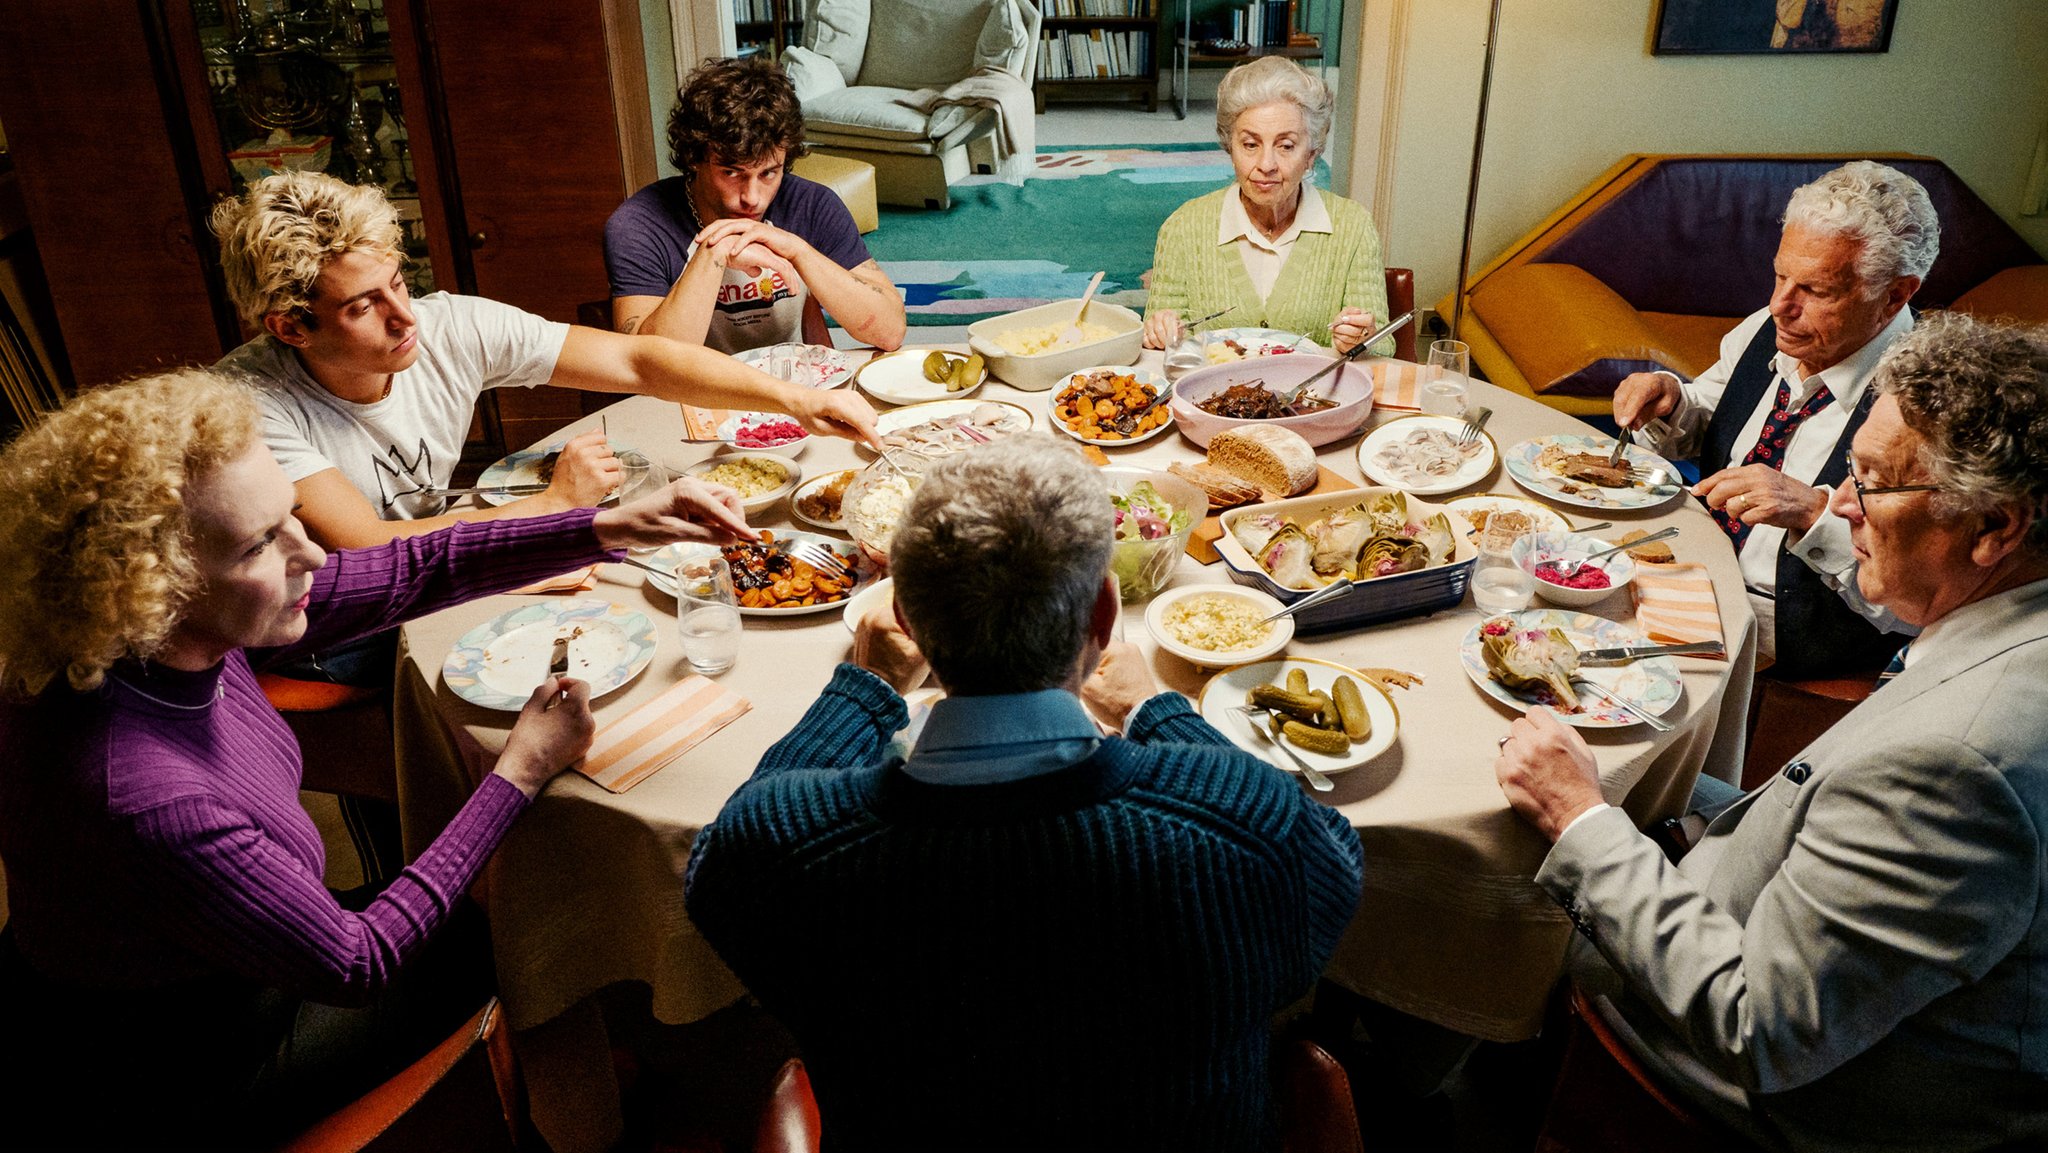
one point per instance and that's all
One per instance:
(1474, 426)
(818, 557)
(1316, 780)
(1651, 477)
(1624, 704)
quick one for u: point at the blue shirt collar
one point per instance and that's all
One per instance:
(1009, 736)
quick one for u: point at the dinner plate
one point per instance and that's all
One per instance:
(1258, 342)
(668, 557)
(499, 663)
(1547, 519)
(1152, 379)
(1521, 463)
(898, 378)
(816, 365)
(733, 426)
(833, 524)
(1227, 689)
(1651, 685)
(1015, 418)
(519, 468)
(1384, 439)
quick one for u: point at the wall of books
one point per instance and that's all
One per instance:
(1097, 52)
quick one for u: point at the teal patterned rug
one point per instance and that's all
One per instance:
(1001, 248)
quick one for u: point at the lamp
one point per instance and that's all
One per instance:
(1472, 189)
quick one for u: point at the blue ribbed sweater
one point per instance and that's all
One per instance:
(1087, 959)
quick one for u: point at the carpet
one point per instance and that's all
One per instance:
(1002, 247)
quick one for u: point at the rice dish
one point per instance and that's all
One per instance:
(1215, 623)
(749, 476)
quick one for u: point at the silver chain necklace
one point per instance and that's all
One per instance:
(220, 693)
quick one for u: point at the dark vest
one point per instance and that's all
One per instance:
(1818, 634)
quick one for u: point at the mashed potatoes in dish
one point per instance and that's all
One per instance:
(1032, 341)
(1216, 623)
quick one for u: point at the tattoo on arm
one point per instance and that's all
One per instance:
(877, 281)
(631, 325)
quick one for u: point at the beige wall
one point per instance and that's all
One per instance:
(1575, 89)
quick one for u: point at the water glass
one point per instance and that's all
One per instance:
(1184, 357)
(1444, 379)
(708, 612)
(1499, 584)
(784, 360)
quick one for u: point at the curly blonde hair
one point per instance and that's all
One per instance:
(96, 559)
(275, 239)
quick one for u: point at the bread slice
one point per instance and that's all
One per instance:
(1656, 552)
(1276, 459)
(1225, 490)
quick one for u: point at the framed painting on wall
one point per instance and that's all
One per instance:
(1707, 27)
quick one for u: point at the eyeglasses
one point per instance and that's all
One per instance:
(1862, 490)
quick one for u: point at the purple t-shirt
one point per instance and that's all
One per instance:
(647, 242)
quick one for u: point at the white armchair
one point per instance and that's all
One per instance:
(860, 59)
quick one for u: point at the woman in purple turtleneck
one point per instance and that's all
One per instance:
(172, 951)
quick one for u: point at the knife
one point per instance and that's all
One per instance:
(1621, 440)
(1357, 350)
(1603, 658)
(499, 489)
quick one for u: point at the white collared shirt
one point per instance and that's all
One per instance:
(1264, 257)
(1825, 546)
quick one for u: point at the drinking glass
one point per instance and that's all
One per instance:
(1499, 584)
(1444, 378)
(708, 612)
(784, 361)
(1185, 356)
(642, 475)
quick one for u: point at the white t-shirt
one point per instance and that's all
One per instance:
(412, 439)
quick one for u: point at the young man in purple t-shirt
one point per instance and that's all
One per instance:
(737, 253)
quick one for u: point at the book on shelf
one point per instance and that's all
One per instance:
(1099, 9)
(1098, 53)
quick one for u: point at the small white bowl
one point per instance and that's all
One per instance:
(1282, 630)
(1539, 548)
(791, 475)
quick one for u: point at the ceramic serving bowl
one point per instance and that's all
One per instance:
(1170, 636)
(1350, 386)
(767, 462)
(1039, 371)
(1562, 548)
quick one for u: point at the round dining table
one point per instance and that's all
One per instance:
(586, 891)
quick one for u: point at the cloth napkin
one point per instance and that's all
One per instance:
(630, 749)
(573, 581)
(1397, 384)
(1675, 604)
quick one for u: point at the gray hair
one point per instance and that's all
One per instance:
(1977, 393)
(998, 562)
(1883, 209)
(1268, 80)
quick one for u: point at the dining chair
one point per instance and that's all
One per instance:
(1606, 1100)
(1400, 299)
(789, 1122)
(464, 1094)
(347, 749)
(1785, 716)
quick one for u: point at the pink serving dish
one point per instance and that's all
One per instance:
(1350, 386)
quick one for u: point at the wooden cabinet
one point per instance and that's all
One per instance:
(1098, 50)
(523, 124)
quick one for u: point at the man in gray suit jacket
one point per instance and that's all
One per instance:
(1855, 956)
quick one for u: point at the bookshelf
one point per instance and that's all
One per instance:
(1098, 50)
(767, 26)
(1266, 27)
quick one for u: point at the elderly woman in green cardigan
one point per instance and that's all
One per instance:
(1271, 247)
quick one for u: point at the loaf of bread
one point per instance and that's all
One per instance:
(1276, 459)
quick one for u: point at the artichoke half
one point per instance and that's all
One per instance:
(1535, 663)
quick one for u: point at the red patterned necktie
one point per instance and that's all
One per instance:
(1770, 446)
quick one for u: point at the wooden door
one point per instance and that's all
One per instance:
(108, 178)
(548, 131)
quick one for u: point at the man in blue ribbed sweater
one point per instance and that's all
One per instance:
(1025, 935)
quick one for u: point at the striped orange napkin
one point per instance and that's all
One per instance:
(1397, 384)
(1675, 604)
(630, 749)
(702, 423)
(573, 581)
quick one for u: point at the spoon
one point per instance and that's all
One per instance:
(1073, 333)
(1660, 534)
(1316, 780)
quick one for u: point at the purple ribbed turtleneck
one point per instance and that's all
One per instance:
(152, 831)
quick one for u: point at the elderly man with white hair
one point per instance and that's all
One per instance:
(1854, 956)
(1024, 934)
(1771, 420)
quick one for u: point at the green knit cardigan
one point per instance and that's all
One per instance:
(1324, 272)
